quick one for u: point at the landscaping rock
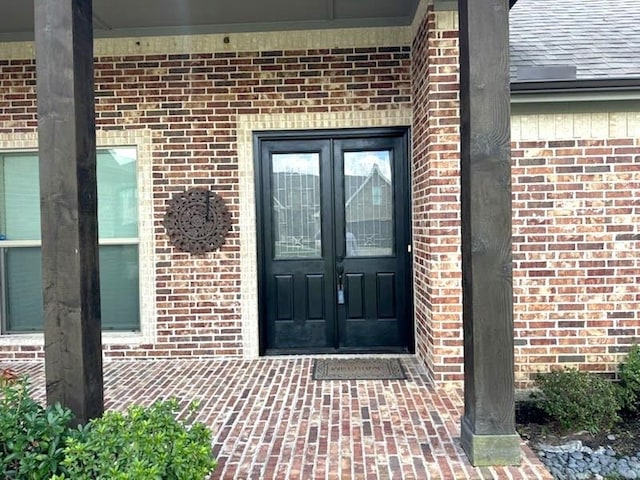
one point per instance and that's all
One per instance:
(574, 461)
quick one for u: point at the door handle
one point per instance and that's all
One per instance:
(340, 272)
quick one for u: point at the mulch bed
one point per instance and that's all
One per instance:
(535, 427)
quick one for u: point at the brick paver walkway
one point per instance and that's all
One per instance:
(271, 420)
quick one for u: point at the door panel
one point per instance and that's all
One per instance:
(333, 236)
(386, 295)
(369, 179)
(355, 286)
(284, 295)
(296, 281)
(315, 297)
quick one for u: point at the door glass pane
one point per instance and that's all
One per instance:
(368, 207)
(295, 206)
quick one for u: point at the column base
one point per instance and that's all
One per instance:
(490, 450)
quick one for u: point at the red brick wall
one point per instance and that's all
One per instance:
(18, 108)
(420, 187)
(436, 201)
(576, 253)
(191, 103)
(576, 235)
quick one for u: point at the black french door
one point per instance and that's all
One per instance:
(333, 242)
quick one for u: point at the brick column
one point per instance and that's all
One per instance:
(436, 194)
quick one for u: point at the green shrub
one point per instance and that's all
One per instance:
(145, 443)
(630, 379)
(141, 444)
(579, 400)
(32, 437)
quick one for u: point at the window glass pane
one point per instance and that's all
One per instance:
(295, 183)
(368, 203)
(119, 296)
(20, 210)
(23, 291)
(117, 193)
(117, 217)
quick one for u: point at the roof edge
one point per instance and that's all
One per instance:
(577, 86)
(576, 91)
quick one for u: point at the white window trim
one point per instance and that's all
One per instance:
(141, 140)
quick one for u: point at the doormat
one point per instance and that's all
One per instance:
(358, 369)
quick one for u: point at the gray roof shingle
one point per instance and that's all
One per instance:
(601, 38)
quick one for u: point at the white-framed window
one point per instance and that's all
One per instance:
(20, 253)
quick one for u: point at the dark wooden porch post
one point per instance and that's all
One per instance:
(68, 198)
(488, 425)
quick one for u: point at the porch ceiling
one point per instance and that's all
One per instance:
(118, 18)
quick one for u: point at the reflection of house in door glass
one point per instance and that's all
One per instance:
(368, 203)
(368, 197)
(295, 179)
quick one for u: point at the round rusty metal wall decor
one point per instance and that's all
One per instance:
(197, 221)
